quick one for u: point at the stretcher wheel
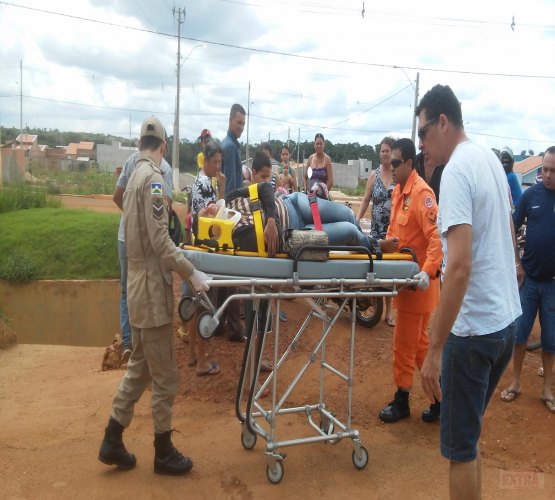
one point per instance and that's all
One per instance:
(186, 308)
(276, 475)
(360, 459)
(248, 440)
(204, 325)
(369, 312)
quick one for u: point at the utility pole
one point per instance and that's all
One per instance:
(175, 151)
(248, 122)
(130, 143)
(21, 103)
(298, 154)
(414, 110)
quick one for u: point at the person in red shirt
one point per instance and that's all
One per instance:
(413, 221)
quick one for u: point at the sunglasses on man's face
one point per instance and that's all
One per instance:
(422, 131)
(396, 163)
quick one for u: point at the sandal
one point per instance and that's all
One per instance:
(550, 403)
(389, 322)
(509, 395)
(214, 368)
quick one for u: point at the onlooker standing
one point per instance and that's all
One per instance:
(286, 181)
(321, 169)
(152, 256)
(121, 184)
(379, 188)
(233, 171)
(430, 174)
(508, 161)
(205, 136)
(537, 292)
(474, 323)
(231, 161)
(413, 222)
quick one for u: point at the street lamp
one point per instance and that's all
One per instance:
(175, 150)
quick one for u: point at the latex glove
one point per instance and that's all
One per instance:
(423, 280)
(198, 281)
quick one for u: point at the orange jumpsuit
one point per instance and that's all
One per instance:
(413, 221)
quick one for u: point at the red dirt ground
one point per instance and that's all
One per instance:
(55, 402)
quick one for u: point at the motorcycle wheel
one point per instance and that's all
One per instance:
(370, 316)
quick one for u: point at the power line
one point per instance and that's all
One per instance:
(284, 54)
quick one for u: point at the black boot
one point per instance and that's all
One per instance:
(112, 450)
(396, 409)
(432, 413)
(167, 460)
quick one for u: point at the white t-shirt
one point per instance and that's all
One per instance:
(474, 191)
(126, 172)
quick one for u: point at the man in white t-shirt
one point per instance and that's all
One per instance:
(121, 184)
(473, 335)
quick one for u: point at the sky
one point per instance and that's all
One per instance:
(313, 66)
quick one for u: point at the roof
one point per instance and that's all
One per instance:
(74, 147)
(527, 165)
(26, 138)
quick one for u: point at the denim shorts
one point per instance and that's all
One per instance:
(471, 369)
(537, 296)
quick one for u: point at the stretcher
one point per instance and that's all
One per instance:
(335, 288)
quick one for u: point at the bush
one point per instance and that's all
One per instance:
(19, 267)
(21, 196)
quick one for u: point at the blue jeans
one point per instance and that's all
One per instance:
(534, 296)
(471, 368)
(123, 312)
(338, 221)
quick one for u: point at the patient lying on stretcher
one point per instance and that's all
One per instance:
(290, 212)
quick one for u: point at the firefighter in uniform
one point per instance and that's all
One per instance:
(413, 221)
(152, 256)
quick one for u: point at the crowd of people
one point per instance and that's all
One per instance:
(484, 294)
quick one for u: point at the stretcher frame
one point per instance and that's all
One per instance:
(257, 411)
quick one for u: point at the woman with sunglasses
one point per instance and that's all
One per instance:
(318, 167)
(378, 189)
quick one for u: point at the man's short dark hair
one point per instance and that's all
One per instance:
(150, 143)
(440, 99)
(407, 148)
(550, 150)
(236, 108)
(260, 161)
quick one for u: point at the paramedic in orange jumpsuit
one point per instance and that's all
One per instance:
(413, 221)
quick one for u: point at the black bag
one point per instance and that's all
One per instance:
(174, 228)
(294, 239)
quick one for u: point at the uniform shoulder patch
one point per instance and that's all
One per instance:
(428, 202)
(156, 188)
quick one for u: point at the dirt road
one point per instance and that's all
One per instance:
(55, 402)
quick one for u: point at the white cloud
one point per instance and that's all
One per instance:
(66, 59)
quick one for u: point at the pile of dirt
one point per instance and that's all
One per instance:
(113, 356)
(8, 337)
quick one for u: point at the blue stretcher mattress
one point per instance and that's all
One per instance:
(262, 267)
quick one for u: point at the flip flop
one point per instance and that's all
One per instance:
(265, 366)
(550, 403)
(214, 368)
(509, 395)
(389, 322)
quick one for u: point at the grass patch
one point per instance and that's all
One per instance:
(22, 196)
(88, 182)
(58, 243)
